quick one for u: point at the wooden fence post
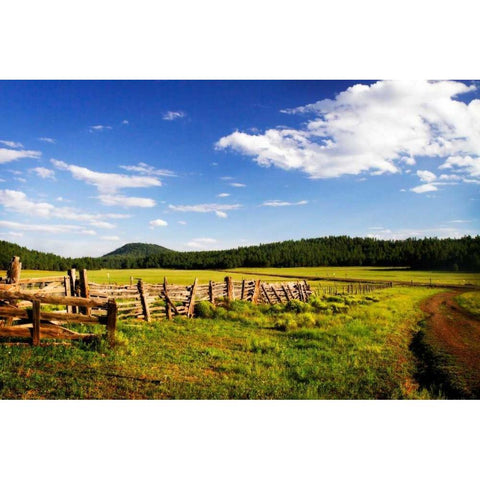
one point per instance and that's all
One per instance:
(84, 290)
(229, 283)
(111, 320)
(68, 291)
(143, 301)
(256, 292)
(191, 303)
(36, 323)
(73, 287)
(13, 270)
(168, 308)
(210, 292)
(243, 290)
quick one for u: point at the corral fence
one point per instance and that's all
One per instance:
(353, 288)
(28, 321)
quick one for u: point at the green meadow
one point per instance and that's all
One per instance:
(334, 347)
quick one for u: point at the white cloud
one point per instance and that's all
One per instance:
(148, 170)
(123, 201)
(226, 178)
(223, 195)
(158, 223)
(17, 201)
(426, 176)
(463, 164)
(107, 182)
(279, 203)
(47, 140)
(11, 144)
(216, 208)
(201, 242)
(402, 234)
(237, 185)
(125, 122)
(15, 234)
(370, 129)
(44, 172)
(172, 115)
(111, 238)
(7, 155)
(29, 227)
(182, 222)
(427, 187)
(100, 128)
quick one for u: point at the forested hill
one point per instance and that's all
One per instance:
(138, 250)
(430, 253)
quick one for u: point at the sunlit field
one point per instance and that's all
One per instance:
(185, 277)
(372, 273)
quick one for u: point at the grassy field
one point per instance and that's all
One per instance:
(148, 275)
(372, 273)
(333, 348)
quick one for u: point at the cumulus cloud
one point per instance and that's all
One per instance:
(7, 155)
(172, 115)
(201, 242)
(123, 201)
(369, 129)
(29, 227)
(426, 176)
(158, 223)
(17, 201)
(107, 182)
(218, 209)
(11, 144)
(427, 187)
(279, 203)
(463, 164)
(146, 169)
(47, 140)
(44, 172)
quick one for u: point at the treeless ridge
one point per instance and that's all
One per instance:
(454, 333)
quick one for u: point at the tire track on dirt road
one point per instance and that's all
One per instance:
(451, 345)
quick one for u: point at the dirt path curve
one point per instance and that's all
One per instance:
(455, 332)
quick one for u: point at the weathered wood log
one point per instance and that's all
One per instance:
(13, 270)
(48, 331)
(264, 290)
(143, 301)
(276, 294)
(35, 315)
(191, 303)
(84, 290)
(168, 307)
(242, 295)
(256, 292)
(51, 299)
(229, 288)
(111, 321)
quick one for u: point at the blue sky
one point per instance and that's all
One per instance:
(87, 166)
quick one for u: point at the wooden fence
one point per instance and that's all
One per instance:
(150, 301)
(353, 288)
(35, 324)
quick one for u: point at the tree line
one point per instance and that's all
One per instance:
(428, 254)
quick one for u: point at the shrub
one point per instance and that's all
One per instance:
(204, 310)
(317, 304)
(297, 306)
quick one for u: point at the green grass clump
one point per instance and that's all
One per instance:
(470, 301)
(204, 309)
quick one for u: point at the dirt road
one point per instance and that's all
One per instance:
(453, 335)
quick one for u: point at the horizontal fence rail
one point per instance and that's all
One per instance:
(33, 323)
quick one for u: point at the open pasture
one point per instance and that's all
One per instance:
(384, 274)
(334, 347)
